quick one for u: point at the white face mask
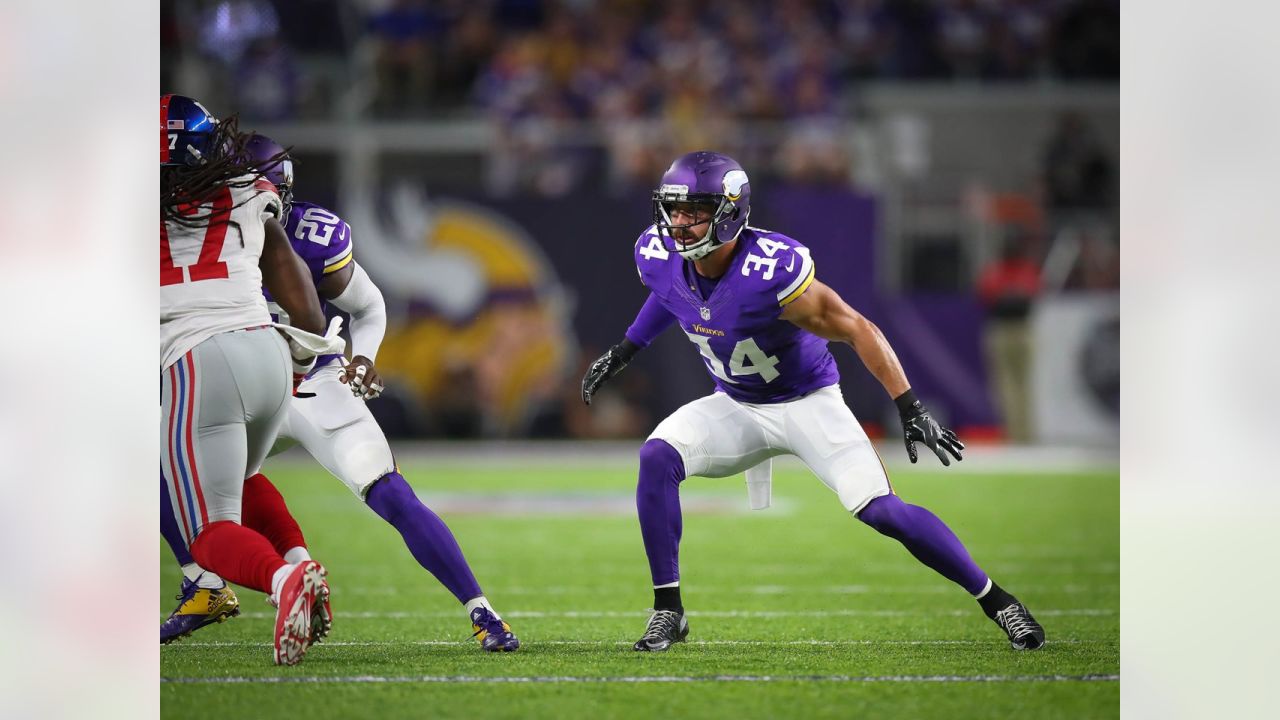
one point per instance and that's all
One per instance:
(701, 250)
(702, 247)
(709, 243)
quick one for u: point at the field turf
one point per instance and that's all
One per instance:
(797, 611)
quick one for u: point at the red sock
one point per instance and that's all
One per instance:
(263, 510)
(237, 554)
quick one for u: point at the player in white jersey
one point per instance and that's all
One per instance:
(224, 370)
(328, 417)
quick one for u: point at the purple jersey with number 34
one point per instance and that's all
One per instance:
(752, 355)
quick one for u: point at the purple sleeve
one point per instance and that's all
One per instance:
(650, 322)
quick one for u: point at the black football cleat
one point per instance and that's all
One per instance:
(1023, 630)
(665, 627)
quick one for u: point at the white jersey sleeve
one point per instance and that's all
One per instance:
(209, 277)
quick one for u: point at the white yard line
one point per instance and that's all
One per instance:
(934, 589)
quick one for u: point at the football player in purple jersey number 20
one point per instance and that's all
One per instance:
(748, 299)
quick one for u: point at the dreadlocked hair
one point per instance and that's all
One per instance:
(184, 189)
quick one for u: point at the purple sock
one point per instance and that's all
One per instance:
(926, 537)
(169, 526)
(658, 502)
(425, 534)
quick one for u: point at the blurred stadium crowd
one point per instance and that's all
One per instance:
(605, 59)
(985, 133)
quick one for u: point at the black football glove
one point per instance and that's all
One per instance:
(919, 426)
(606, 366)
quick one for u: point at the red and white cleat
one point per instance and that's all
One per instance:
(302, 616)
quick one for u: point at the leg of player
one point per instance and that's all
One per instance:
(220, 408)
(205, 598)
(823, 432)
(933, 543)
(265, 511)
(338, 430)
(434, 547)
(661, 525)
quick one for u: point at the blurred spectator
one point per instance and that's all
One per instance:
(1087, 40)
(963, 35)
(402, 35)
(1077, 173)
(430, 56)
(508, 86)
(227, 28)
(1005, 58)
(171, 44)
(813, 150)
(519, 15)
(267, 82)
(864, 34)
(912, 52)
(1007, 289)
(317, 27)
(1098, 265)
(1026, 23)
(466, 48)
(563, 47)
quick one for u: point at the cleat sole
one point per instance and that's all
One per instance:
(305, 618)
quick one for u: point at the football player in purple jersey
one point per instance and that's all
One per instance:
(749, 300)
(328, 416)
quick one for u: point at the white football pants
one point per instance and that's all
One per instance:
(221, 405)
(338, 430)
(718, 436)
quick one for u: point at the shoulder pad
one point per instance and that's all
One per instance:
(778, 265)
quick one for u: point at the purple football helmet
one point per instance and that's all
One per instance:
(709, 178)
(279, 173)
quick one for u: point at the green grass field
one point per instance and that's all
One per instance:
(798, 610)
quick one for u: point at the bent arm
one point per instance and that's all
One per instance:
(286, 277)
(822, 311)
(351, 290)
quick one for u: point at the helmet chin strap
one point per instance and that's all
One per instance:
(701, 251)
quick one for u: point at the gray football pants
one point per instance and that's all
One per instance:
(221, 406)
